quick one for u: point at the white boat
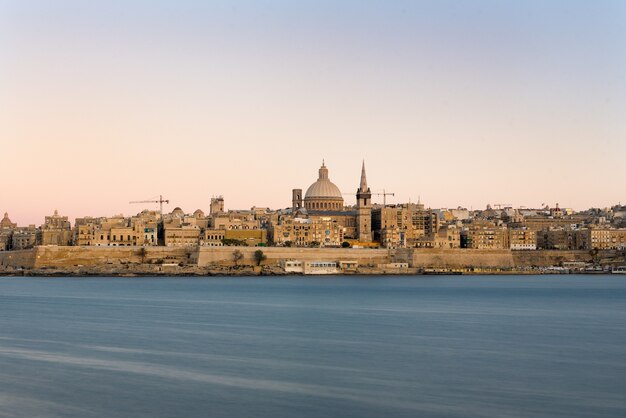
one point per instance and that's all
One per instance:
(619, 270)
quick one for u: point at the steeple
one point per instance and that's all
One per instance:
(364, 209)
(363, 193)
(363, 187)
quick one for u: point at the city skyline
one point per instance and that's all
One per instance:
(151, 203)
(459, 103)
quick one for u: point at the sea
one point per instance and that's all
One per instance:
(421, 346)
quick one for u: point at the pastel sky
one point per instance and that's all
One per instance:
(459, 102)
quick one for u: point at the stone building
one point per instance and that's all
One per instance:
(118, 230)
(605, 238)
(216, 206)
(399, 226)
(306, 232)
(556, 239)
(183, 236)
(522, 239)
(56, 230)
(485, 235)
(25, 237)
(6, 223)
(212, 237)
(6, 232)
(6, 235)
(447, 237)
(235, 220)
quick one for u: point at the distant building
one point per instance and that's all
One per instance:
(183, 236)
(606, 238)
(56, 230)
(217, 205)
(212, 238)
(306, 232)
(522, 239)
(24, 238)
(404, 225)
(485, 235)
(6, 232)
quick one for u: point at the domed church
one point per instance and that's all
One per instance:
(323, 194)
(324, 199)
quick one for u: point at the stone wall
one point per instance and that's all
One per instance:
(67, 257)
(224, 255)
(546, 258)
(460, 258)
(18, 258)
(64, 257)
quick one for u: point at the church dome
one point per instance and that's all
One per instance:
(6, 222)
(178, 212)
(323, 195)
(323, 187)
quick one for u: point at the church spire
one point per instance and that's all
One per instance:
(363, 187)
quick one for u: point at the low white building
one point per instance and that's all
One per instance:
(320, 267)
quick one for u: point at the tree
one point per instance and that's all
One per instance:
(345, 244)
(142, 253)
(259, 257)
(287, 243)
(234, 242)
(237, 256)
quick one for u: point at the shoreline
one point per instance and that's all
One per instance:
(50, 261)
(276, 272)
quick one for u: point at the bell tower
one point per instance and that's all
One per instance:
(364, 209)
(296, 199)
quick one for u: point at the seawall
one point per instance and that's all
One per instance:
(464, 258)
(76, 257)
(67, 257)
(221, 255)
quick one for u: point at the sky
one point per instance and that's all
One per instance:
(456, 103)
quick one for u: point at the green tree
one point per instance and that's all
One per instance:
(234, 242)
(259, 257)
(346, 244)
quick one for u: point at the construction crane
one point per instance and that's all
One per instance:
(384, 194)
(160, 202)
(500, 205)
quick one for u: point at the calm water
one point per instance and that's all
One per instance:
(344, 347)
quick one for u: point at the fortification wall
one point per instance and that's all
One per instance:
(546, 258)
(224, 255)
(68, 257)
(459, 258)
(65, 257)
(18, 259)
